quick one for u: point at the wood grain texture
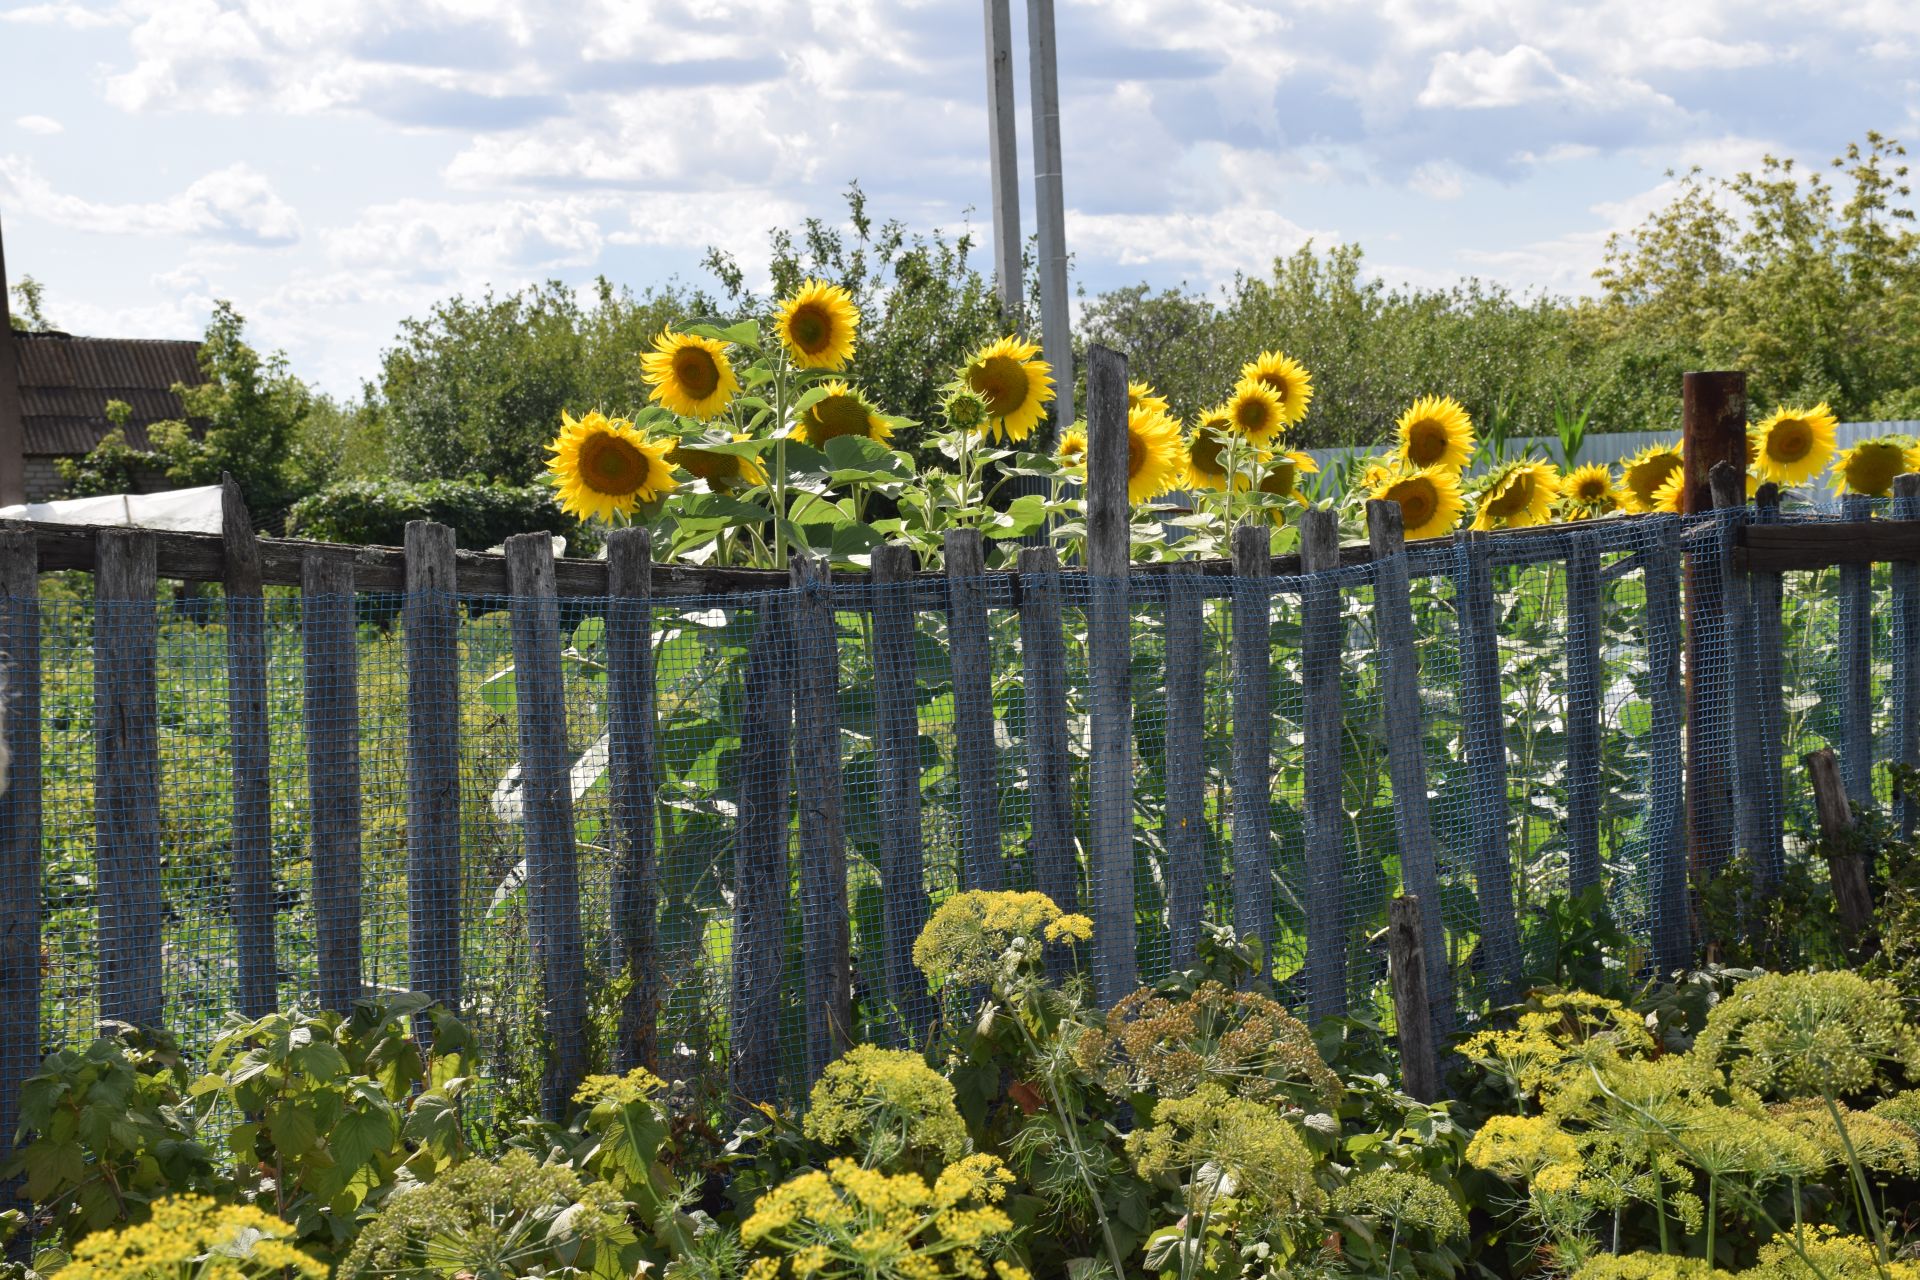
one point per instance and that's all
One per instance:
(1252, 766)
(1856, 663)
(431, 617)
(1324, 891)
(632, 780)
(256, 963)
(1666, 809)
(825, 927)
(896, 714)
(1484, 717)
(1110, 648)
(331, 679)
(126, 770)
(1736, 603)
(971, 655)
(1407, 977)
(1184, 824)
(546, 792)
(20, 826)
(1846, 866)
(1905, 585)
(761, 867)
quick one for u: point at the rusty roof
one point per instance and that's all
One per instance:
(65, 383)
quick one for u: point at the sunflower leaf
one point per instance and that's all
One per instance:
(1022, 516)
(809, 398)
(744, 334)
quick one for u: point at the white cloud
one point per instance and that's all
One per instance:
(60, 13)
(1216, 243)
(1438, 180)
(44, 125)
(470, 243)
(234, 204)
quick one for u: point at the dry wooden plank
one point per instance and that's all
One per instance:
(824, 924)
(1110, 647)
(251, 891)
(631, 783)
(1184, 834)
(1905, 583)
(20, 830)
(1856, 663)
(1253, 742)
(1043, 664)
(546, 789)
(1783, 548)
(896, 717)
(1769, 698)
(1584, 682)
(1407, 975)
(760, 858)
(1484, 719)
(1665, 821)
(1325, 816)
(126, 770)
(431, 616)
(331, 682)
(1406, 753)
(1846, 865)
(971, 655)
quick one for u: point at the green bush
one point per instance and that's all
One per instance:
(481, 514)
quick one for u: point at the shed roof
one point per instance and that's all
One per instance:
(65, 383)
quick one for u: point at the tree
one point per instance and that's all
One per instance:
(27, 314)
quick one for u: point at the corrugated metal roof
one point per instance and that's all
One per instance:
(65, 383)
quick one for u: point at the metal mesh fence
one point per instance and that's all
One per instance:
(1550, 738)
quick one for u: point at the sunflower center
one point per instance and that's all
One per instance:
(1513, 498)
(1205, 453)
(1790, 440)
(1279, 481)
(837, 416)
(1278, 383)
(1647, 478)
(1426, 442)
(612, 466)
(1252, 416)
(810, 328)
(695, 369)
(1591, 489)
(1002, 382)
(1417, 502)
(1873, 468)
(1137, 453)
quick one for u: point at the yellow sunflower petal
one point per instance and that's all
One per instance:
(1015, 383)
(691, 375)
(1287, 378)
(840, 411)
(1590, 491)
(1868, 468)
(605, 467)
(1436, 431)
(1518, 495)
(1156, 459)
(817, 326)
(1642, 475)
(1072, 451)
(1255, 412)
(1794, 445)
(1430, 500)
(1142, 395)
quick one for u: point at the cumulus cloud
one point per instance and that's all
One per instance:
(235, 204)
(46, 126)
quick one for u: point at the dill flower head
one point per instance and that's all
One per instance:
(817, 326)
(1880, 1142)
(1803, 1035)
(1245, 1148)
(1521, 1147)
(1649, 1266)
(887, 1104)
(1793, 445)
(195, 1236)
(1241, 1040)
(846, 1221)
(638, 1085)
(1828, 1255)
(1406, 1199)
(975, 936)
(1642, 475)
(1557, 1038)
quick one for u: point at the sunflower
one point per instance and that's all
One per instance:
(1517, 495)
(690, 374)
(817, 326)
(1792, 447)
(1155, 458)
(1377, 471)
(1015, 383)
(1589, 491)
(1207, 459)
(1282, 478)
(1254, 412)
(840, 411)
(1142, 395)
(605, 467)
(723, 472)
(1072, 451)
(1435, 431)
(1671, 496)
(1430, 501)
(965, 411)
(1870, 466)
(1287, 378)
(1642, 475)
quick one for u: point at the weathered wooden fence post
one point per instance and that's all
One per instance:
(1110, 647)
(1585, 680)
(331, 670)
(896, 716)
(1484, 730)
(970, 650)
(1856, 664)
(824, 926)
(631, 782)
(1666, 786)
(1735, 627)
(546, 789)
(1185, 831)
(1769, 698)
(1905, 575)
(1043, 662)
(1412, 1006)
(251, 895)
(1326, 962)
(761, 868)
(20, 908)
(1406, 753)
(431, 616)
(126, 770)
(1713, 426)
(1252, 793)
(1846, 866)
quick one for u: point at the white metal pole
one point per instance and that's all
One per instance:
(1056, 338)
(1005, 161)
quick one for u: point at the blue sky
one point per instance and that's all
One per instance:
(333, 166)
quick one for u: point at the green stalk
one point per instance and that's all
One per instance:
(1860, 1184)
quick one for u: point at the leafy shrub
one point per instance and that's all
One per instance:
(481, 514)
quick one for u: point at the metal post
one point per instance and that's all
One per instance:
(13, 431)
(1004, 157)
(1050, 206)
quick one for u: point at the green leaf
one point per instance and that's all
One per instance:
(500, 692)
(293, 1130)
(1022, 516)
(744, 334)
(359, 1135)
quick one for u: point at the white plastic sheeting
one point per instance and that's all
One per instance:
(185, 510)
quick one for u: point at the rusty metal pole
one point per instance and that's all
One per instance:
(1713, 429)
